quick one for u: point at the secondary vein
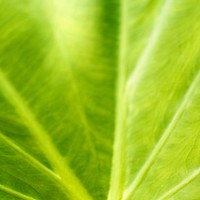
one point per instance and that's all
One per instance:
(68, 178)
(142, 63)
(153, 156)
(30, 158)
(15, 193)
(181, 185)
(135, 77)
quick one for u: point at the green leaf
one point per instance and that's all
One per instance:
(57, 117)
(99, 99)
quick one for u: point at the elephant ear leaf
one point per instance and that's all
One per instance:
(99, 100)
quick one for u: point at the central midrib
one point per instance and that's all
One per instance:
(118, 161)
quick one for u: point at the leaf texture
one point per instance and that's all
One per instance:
(57, 117)
(99, 100)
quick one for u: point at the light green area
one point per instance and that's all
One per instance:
(99, 100)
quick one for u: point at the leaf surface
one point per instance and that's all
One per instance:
(57, 97)
(99, 100)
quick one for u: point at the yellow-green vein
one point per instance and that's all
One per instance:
(118, 161)
(15, 193)
(68, 178)
(153, 156)
(180, 186)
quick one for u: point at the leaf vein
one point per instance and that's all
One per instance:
(181, 185)
(38, 132)
(166, 134)
(15, 193)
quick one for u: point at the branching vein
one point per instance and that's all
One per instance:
(69, 179)
(15, 193)
(153, 156)
(28, 157)
(181, 185)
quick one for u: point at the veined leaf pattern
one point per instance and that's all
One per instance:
(99, 99)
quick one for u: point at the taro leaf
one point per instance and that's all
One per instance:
(99, 99)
